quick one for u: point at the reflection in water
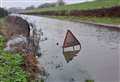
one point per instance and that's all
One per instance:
(69, 55)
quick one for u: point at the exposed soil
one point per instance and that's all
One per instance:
(17, 26)
(114, 11)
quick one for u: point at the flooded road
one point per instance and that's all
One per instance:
(97, 60)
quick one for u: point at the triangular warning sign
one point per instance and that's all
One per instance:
(70, 40)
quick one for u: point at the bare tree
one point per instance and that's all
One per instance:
(60, 2)
(30, 7)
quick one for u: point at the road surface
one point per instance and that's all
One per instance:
(97, 60)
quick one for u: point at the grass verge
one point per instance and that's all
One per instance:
(10, 70)
(89, 80)
(102, 20)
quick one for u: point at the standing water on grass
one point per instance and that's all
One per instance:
(97, 60)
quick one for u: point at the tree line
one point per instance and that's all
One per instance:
(3, 12)
(47, 5)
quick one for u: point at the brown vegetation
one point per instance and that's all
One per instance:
(30, 66)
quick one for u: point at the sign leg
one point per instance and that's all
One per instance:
(80, 47)
(73, 48)
(63, 49)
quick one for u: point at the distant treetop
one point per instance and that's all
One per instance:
(3, 12)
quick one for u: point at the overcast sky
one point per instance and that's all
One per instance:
(25, 3)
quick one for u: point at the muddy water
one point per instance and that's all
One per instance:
(98, 58)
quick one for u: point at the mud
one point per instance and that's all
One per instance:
(96, 12)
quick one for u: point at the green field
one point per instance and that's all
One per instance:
(98, 4)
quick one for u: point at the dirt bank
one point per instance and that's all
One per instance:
(13, 26)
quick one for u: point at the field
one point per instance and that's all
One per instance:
(98, 4)
(98, 11)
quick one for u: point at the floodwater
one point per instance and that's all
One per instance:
(97, 60)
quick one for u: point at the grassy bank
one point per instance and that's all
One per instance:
(10, 63)
(10, 70)
(103, 20)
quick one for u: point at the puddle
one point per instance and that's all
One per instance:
(98, 60)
